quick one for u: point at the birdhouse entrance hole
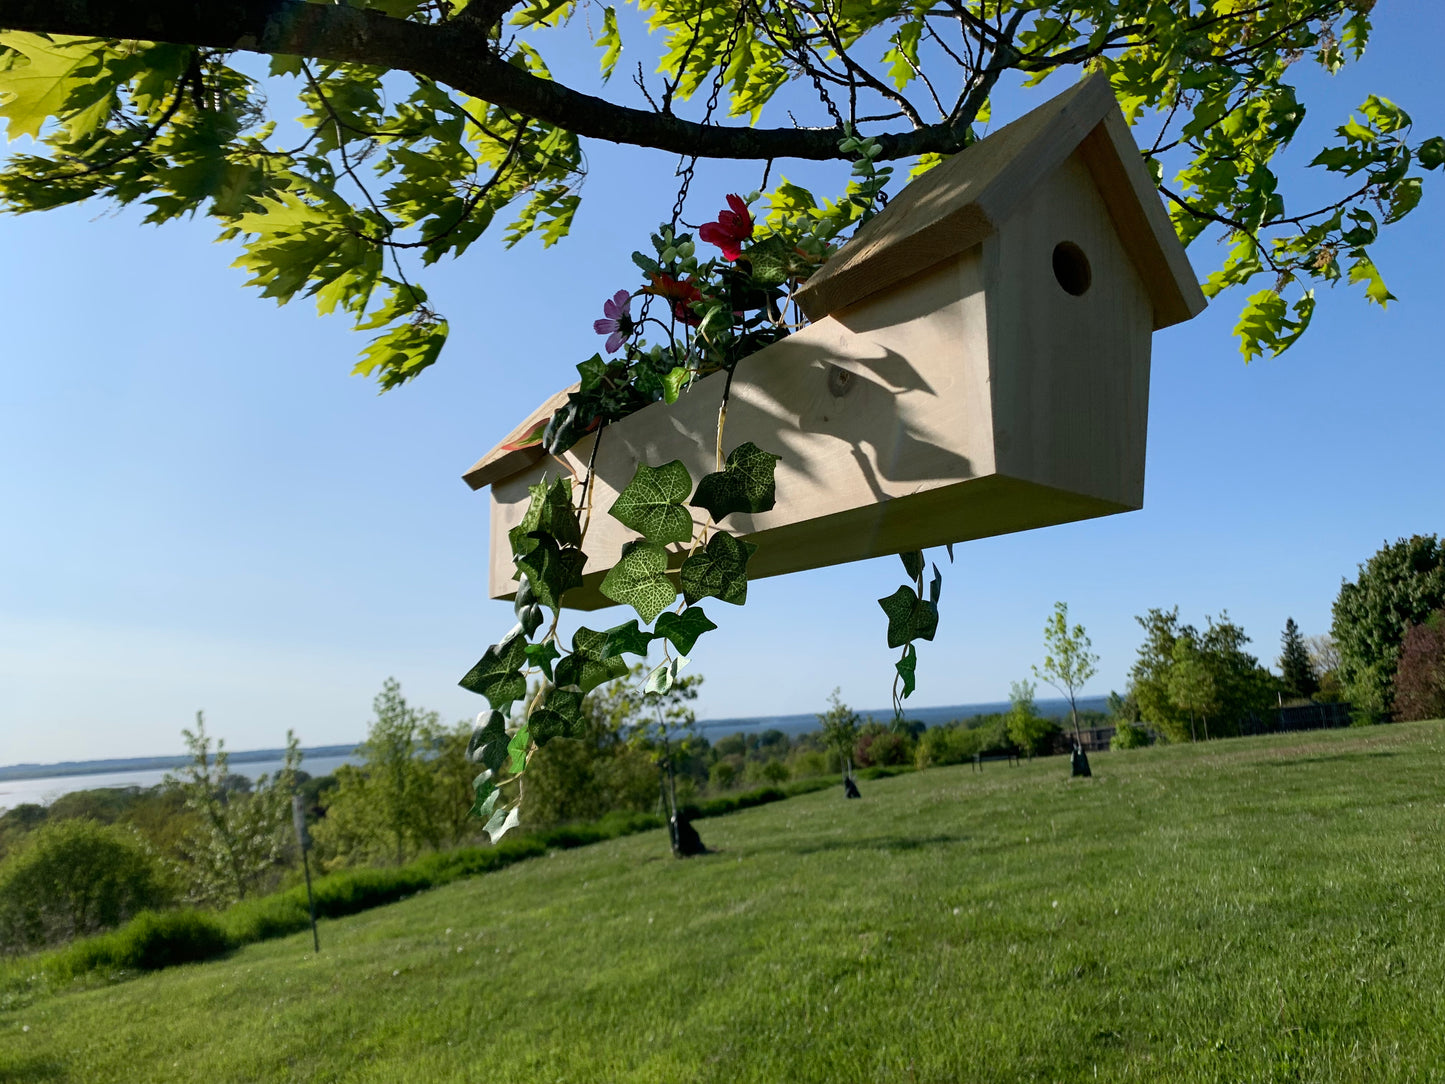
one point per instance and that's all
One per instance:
(1071, 268)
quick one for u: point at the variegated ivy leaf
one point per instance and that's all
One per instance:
(652, 503)
(498, 673)
(558, 716)
(720, 570)
(683, 629)
(639, 579)
(551, 569)
(588, 666)
(745, 484)
(485, 795)
(488, 744)
(502, 822)
(627, 639)
(664, 676)
(909, 617)
(907, 668)
(550, 512)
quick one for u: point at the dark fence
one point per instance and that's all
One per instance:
(1298, 717)
(1094, 739)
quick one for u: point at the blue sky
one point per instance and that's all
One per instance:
(203, 510)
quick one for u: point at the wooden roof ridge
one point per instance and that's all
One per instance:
(955, 205)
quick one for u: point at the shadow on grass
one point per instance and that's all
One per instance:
(24, 1070)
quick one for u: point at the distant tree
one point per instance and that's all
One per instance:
(1325, 659)
(1297, 672)
(1149, 676)
(1068, 662)
(1242, 688)
(1026, 728)
(238, 840)
(1420, 676)
(1397, 588)
(411, 792)
(840, 725)
(1193, 688)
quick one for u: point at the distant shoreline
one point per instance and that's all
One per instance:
(792, 724)
(151, 764)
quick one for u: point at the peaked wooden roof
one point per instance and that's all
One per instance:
(955, 205)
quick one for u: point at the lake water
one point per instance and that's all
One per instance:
(15, 792)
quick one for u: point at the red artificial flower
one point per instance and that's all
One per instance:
(681, 292)
(730, 230)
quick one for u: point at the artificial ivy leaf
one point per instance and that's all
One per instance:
(541, 656)
(502, 822)
(912, 563)
(935, 587)
(745, 484)
(488, 744)
(553, 570)
(909, 617)
(907, 668)
(587, 673)
(486, 795)
(719, 570)
(663, 676)
(517, 750)
(559, 716)
(628, 639)
(591, 371)
(497, 674)
(549, 512)
(652, 503)
(639, 579)
(683, 629)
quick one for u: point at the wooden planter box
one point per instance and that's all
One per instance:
(978, 364)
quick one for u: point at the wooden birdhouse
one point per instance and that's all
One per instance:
(978, 363)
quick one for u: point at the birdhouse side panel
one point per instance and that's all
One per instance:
(883, 402)
(1070, 323)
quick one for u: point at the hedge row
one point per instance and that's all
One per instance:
(153, 940)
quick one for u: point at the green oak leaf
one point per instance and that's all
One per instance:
(628, 639)
(639, 579)
(909, 617)
(719, 570)
(541, 656)
(517, 750)
(652, 503)
(745, 484)
(553, 570)
(497, 674)
(559, 716)
(683, 629)
(488, 744)
(907, 668)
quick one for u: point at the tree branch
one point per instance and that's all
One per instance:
(457, 53)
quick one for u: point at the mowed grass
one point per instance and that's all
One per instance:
(1251, 910)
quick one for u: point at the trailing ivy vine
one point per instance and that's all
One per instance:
(714, 313)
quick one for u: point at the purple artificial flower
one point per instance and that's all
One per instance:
(617, 322)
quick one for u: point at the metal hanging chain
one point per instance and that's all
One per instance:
(686, 172)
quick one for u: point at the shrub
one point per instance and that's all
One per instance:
(1131, 736)
(72, 878)
(1420, 678)
(149, 942)
(774, 771)
(723, 774)
(878, 745)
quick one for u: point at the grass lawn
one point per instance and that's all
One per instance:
(1262, 909)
